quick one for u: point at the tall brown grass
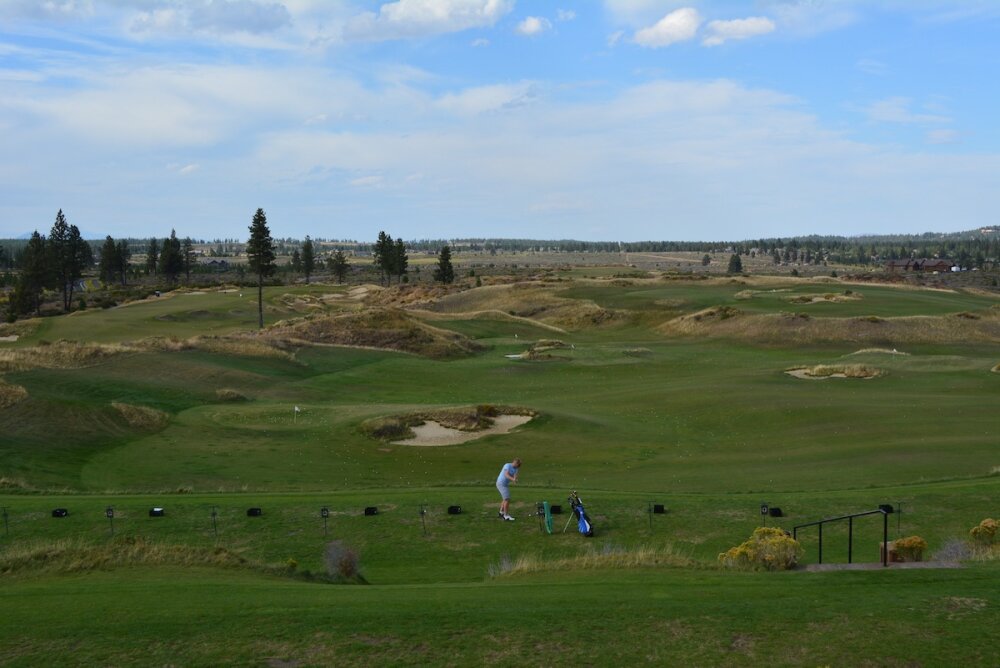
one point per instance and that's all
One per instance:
(607, 557)
(11, 395)
(76, 556)
(141, 417)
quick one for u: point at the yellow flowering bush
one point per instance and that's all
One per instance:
(986, 533)
(767, 549)
(910, 548)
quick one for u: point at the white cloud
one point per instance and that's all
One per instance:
(480, 42)
(423, 18)
(897, 110)
(812, 17)
(944, 136)
(565, 15)
(533, 25)
(367, 181)
(637, 12)
(720, 32)
(253, 17)
(677, 26)
(615, 37)
(188, 169)
(483, 99)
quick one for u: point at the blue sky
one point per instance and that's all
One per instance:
(613, 119)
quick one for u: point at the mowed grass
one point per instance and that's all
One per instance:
(628, 416)
(180, 314)
(672, 617)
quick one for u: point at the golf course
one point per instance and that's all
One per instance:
(708, 396)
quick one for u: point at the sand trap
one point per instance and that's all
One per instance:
(878, 351)
(431, 433)
(9, 339)
(806, 374)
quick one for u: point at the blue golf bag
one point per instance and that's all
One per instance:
(583, 522)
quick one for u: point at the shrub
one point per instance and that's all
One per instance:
(986, 533)
(342, 562)
(768, 549)
(229, 395)
(954, 550)
(910, 548)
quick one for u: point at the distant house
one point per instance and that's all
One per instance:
(918, 264)
(217, 265)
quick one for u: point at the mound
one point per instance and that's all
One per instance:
(389, 329)
(527, 300)
(60, 355)
(11, 395)
(799, 328)
(141, 417)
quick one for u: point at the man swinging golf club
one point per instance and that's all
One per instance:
(508, 475)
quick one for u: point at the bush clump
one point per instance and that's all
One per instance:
(342, 563)
(230, 395)
(985, 534)
(767, 549)
(910, 548)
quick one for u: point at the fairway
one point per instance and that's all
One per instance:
(629, 413)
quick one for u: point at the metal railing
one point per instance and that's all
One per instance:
(850, 532)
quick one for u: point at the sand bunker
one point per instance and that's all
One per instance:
(432, 433)
(822, 371)
(8, 339)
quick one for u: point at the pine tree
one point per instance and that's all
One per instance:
(152, 255)
(69, 256)
(123, 256)
(108, 268)
(444, 272)
(382, 255)
(338, 265)
(260, 255)
(735, 265)
(187, 256)
(400, 260)
(296, 263)
(308, 258)
(35, 275)
(171, 262)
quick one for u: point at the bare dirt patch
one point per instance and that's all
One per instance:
(434, 434)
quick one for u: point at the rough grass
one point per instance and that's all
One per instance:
(801, 329)
(11, 395)
(226, 394)
(533, 300)
(468, 418)
(141, 417)
(75, 556)
(388, 329)
(608, 557)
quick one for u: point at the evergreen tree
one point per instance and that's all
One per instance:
(382, 253)
(338, 265)
(187, 256)
(400, 260)
(735, 265)
(296, 263)
(123, 255)
(706, 260)
(35, 275)
(260, 255)
(308, 258)
(108, 268)
(444, 272)
(171, 261)
(69, 256)
(152, 255)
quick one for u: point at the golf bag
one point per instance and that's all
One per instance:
(582, 519)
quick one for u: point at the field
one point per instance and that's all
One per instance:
(667, 389)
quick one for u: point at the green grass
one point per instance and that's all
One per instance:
(709, 428)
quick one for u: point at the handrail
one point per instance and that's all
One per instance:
(850, 532)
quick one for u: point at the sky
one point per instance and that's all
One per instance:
(435, 119)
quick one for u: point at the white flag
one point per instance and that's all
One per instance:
(297, 410)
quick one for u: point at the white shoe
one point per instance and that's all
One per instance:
(508, 518)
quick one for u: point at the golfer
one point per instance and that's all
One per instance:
(508, 475)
